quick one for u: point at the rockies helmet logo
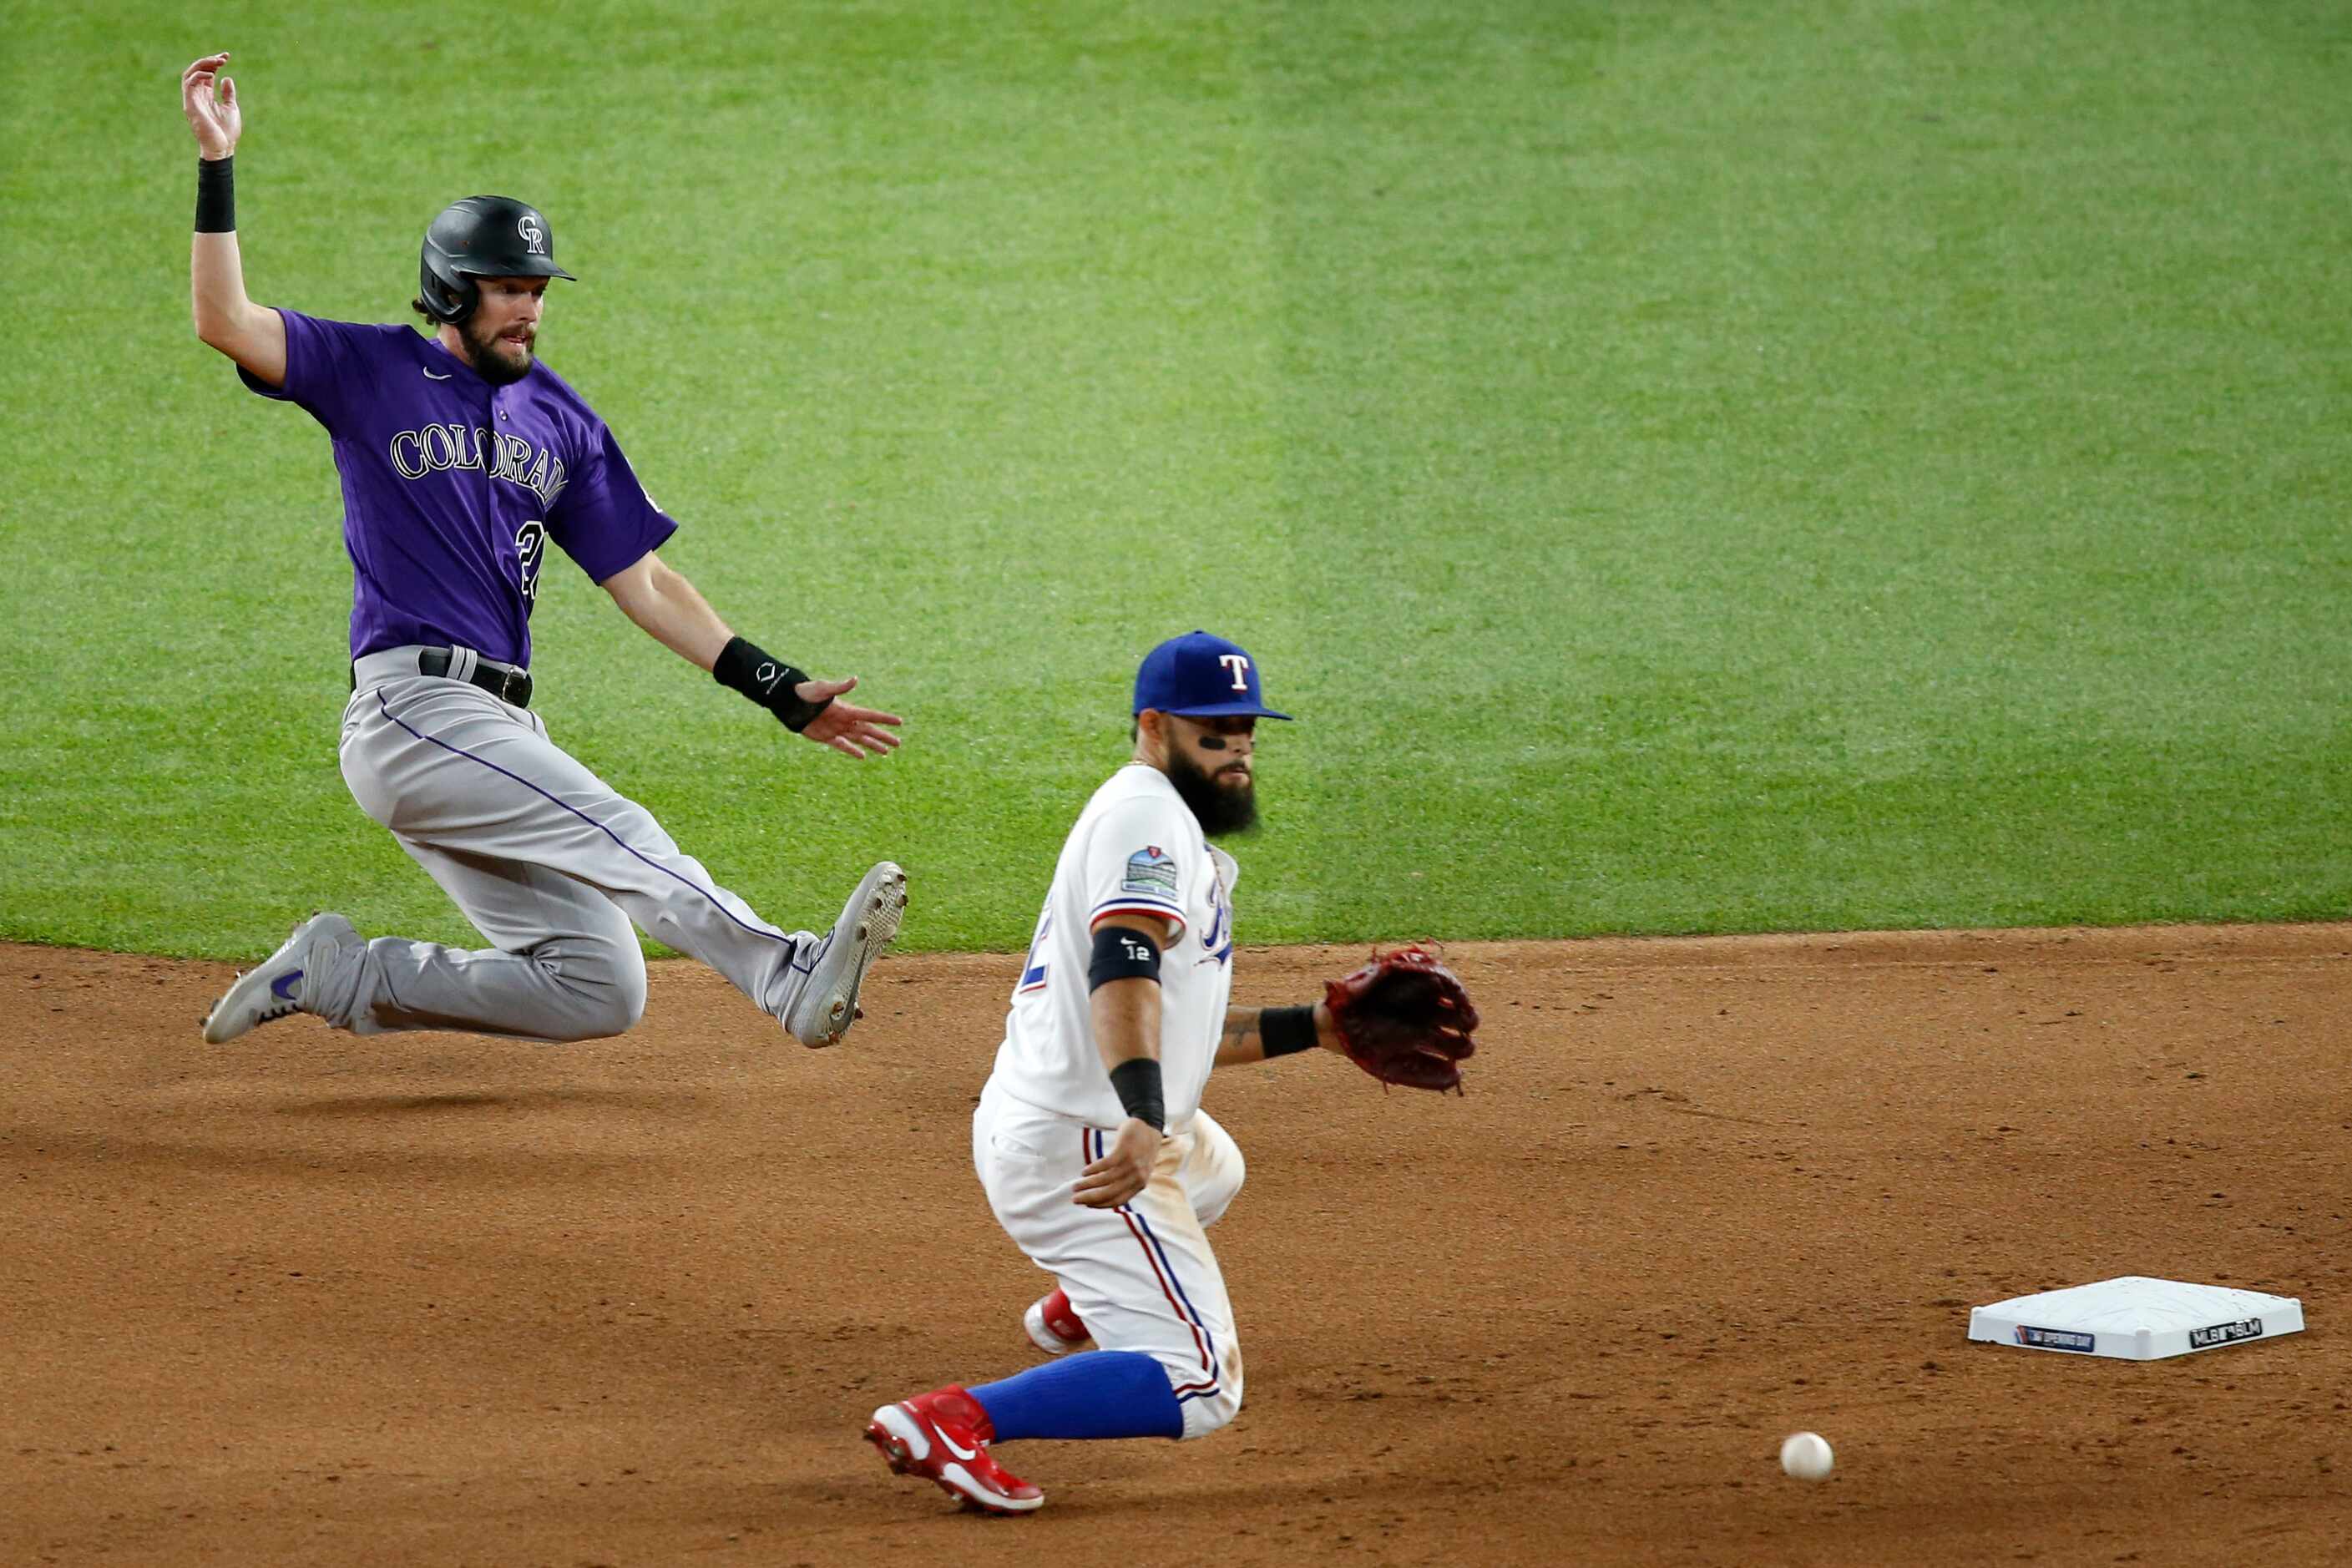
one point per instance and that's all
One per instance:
(532, 234)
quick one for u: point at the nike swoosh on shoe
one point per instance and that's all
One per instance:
(958, 1449)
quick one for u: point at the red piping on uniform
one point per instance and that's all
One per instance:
(1198, 1343)
(1160, 910)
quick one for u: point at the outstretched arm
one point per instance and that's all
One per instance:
(1244, 1039)
(253, 335)
(670, 610)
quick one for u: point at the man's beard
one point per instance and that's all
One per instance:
(489, 362)
(1218, 808)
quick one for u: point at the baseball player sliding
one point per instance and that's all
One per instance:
(1089, 1137)
(463, 457)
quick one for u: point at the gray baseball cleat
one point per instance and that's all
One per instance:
(828, 1003)
(269, 990)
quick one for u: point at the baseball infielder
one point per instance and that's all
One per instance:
(1089, 1137)
(462, 459)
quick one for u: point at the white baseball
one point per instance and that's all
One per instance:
(1806, 1456)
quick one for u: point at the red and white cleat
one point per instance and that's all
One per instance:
(943, 1437)
(1053, 1327)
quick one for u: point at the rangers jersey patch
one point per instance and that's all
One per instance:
(1150, 869)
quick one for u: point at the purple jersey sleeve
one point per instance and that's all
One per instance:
(603, 520)
(329, 366)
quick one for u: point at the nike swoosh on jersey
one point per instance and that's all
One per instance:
(430, 376)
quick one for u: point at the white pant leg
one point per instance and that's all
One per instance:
(1211, 1168)
(1141, 1277)
(449, 767)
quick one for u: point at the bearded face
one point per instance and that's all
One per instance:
(1208, 761)
(498, 335)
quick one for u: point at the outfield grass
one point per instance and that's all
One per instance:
(1690, 468)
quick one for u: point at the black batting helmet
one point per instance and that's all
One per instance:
(481, 237)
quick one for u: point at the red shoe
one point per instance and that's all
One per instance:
(1053, 1327)
(943, 1437)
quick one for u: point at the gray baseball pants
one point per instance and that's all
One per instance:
(548, 861)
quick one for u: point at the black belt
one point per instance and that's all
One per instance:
(506, 685)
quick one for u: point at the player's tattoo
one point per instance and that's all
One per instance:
(1241, 1031)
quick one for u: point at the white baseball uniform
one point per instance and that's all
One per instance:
(1141, 1275)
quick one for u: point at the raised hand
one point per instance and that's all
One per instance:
(218, 120)
(852, 731)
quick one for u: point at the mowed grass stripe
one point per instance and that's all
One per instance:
(1689, 467)
(955, 384)
(1800, 451)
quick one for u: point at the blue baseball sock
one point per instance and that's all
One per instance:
(1098, 1393)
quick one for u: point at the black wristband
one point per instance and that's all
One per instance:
(216, 194)
(745, 667)
(1286, 1030)
(1136, 1083)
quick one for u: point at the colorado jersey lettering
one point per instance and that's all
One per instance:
(453, 488)
(1135, 849)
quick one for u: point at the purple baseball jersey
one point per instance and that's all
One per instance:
(452, 487)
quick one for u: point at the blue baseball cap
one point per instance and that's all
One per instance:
(1200, 677)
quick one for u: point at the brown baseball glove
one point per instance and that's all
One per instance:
(1405, 1019)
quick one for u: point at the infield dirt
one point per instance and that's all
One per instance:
(310, 1298)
